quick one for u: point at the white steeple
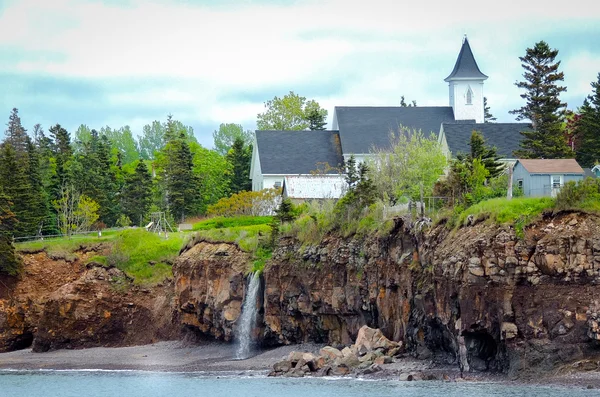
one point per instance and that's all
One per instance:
(465, 85)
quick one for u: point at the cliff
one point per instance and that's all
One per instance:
(479, 297)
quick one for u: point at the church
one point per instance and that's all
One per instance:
(297, 159)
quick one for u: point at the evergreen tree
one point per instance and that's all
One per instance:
(587, 128)
(182, 185)
(488, 117)
(16, 135)
(39, 210)
(16, 186)
(62, 152)
(316, 120)
(9, 260)
(403, 103)
(543, 106)
(487, 155)
(239, 158)
(352, 176)
(136, 196)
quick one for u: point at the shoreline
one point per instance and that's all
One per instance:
(218, 360)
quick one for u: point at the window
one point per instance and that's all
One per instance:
(277, 185)
(469, 96)
(556, 181)
(520, 183)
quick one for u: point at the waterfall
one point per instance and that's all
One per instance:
(248, 318)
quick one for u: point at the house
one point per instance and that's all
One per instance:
(545, 177)
(360, 130)
(593, 172)
(300, 188)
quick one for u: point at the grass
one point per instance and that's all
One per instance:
(229, 222)
(63, 244)
(518, 211)
(247, 237)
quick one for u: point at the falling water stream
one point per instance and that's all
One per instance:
(248, 318)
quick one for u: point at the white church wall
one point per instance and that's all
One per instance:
(458, 100)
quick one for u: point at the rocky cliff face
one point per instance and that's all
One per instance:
(58, 302)
(479, 297)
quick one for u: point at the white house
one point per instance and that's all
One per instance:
(359, 130)
(299, 188)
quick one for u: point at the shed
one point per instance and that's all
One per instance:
(300, 188)
(545, 177)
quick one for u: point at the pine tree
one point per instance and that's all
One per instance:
(62, 152)
(543, 108)
(352, 176)
(9, 260)
(239, 157)
(16, 135)
(39, 209)
(136, 195)
(488, 117)
(587, 128)
(316, 120)
(16, 186)
(182, 186)
(486, 154)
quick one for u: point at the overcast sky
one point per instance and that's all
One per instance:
(129, 62)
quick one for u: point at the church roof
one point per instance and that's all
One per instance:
(466, 67)
(363, 128)
(298, 152)
(505, 137)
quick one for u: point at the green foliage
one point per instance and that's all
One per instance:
(224, 222)
(214, 172)
(543, 106)
(246, 203)
(486, 154)
(403, 103)
(583, 195)
(10, 263)
(261, 256)
(488, 117)
(136, 195)
(359, 196)
(284, 213)
(248, 238)
(587, 128)
(152, 140)
(316, 116)
(123, 221)
(227, 134)
(291, 112)
(239, 157)
(414, 161)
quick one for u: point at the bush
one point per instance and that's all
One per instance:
(583, 195)
(258, 203)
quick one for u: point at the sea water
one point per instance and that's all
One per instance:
(96, 383)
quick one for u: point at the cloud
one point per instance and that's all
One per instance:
(207, 62)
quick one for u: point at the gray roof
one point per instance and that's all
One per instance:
(587, 172)
(466, 67)
(504, 136)
(298, 152)
(363, 128)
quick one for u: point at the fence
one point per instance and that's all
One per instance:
(78, 234)
(428, 206)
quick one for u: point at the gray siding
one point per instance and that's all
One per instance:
(539, 185)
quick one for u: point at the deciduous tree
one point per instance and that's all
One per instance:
(288, 113)
(226, 135)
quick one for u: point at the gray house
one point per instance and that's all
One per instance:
(539, 178)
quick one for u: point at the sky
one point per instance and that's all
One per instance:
(129, 62)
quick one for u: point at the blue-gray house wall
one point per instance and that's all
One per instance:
(538, 185)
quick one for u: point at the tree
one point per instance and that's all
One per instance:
(136, 196)
(316, 116)
(76, 212)
(215, 172)
(403, 103)
(16, 135)
(9, 260)
(486, 154)
(488, 117)
(123, 142)
(152, 140)
(288, 113)
(543, 106)
(239, 159)
(226, 135)
(62, 153)
(412, 161)
(587, 128)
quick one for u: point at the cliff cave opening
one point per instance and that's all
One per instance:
(481, 348)
(24, 341)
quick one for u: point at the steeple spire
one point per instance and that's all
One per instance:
(466, 68)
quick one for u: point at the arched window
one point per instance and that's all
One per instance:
(469, 96)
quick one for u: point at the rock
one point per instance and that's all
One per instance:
(371, 370)
(330, 353)
(368, 357)
(349, 361)
(383, 360)
(295, 356)
(429, 377)
(340, 370)
(282, 366)
(406, 377)
(509, 330)
(346, 351)
(372, 339)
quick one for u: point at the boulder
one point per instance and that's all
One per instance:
(372, 339)
(350, 361)
(371, 369)
(282, 366)
(370, 356)
(330, 353)
(383, 360)
(340, 370)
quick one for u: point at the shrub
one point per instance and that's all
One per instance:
(584, 195)
(258, 203)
